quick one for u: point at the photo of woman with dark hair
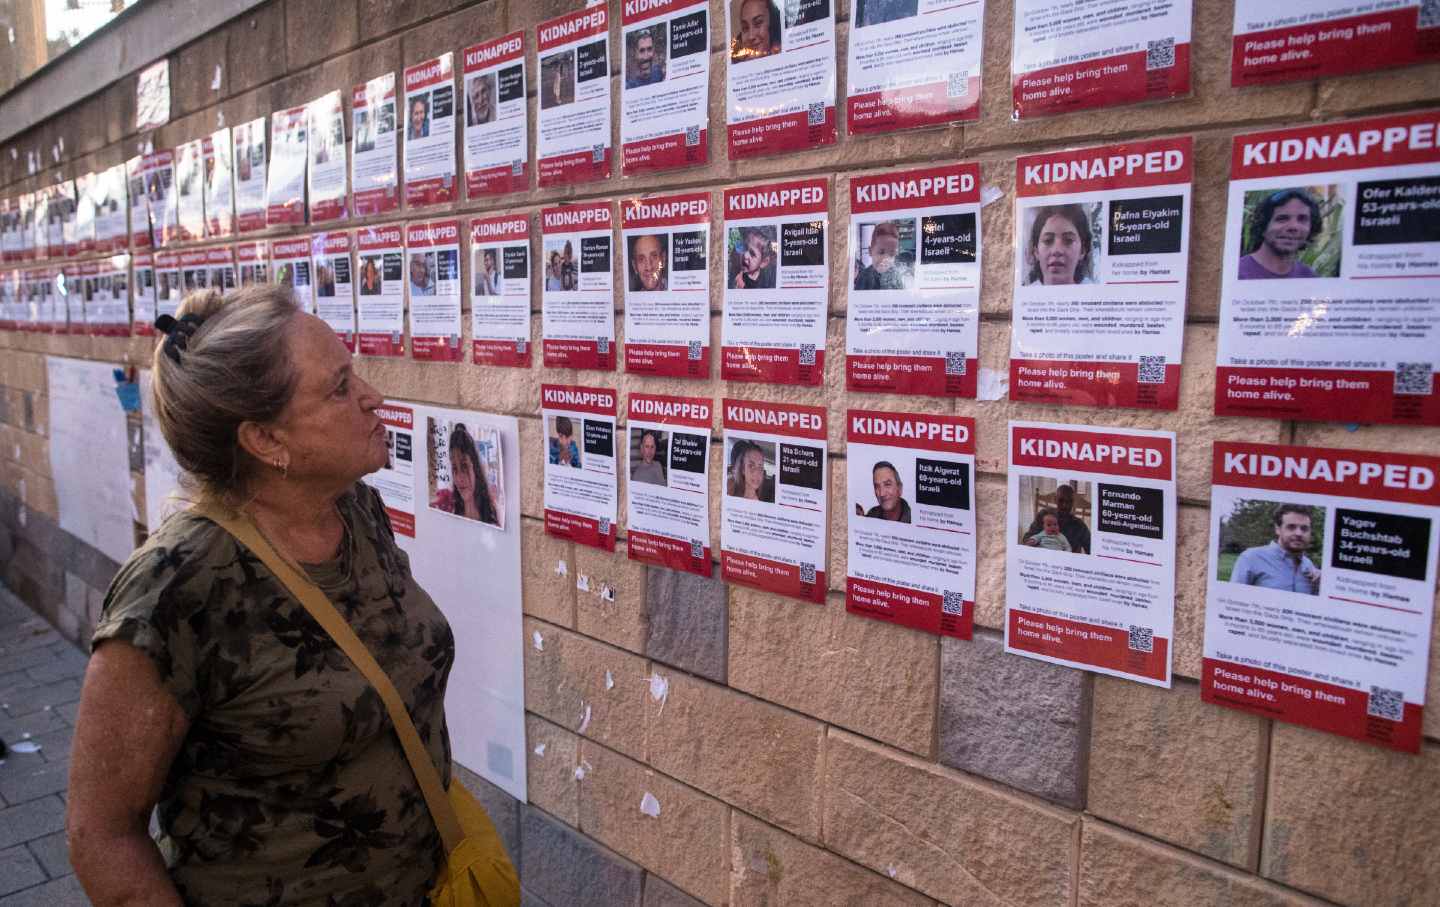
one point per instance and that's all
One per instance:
(757, 30)
(746, 477)
(1061, 246)
(474, 491)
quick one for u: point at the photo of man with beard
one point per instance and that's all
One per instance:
(648, 262)
(1281, 226)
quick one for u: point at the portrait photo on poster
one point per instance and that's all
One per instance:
(752, 256)
(750, 469)
(480, 100)
(649, 455)
(646, 52)
(422, 273)
(757, 27)
(1272, 544)
(557, 79)
(562, 270)
(886, 255)
(1292, 232)
(562, 449)
(889, 487)
(466, 478)
(1063, 243)
(1054, 514)
(647, 262)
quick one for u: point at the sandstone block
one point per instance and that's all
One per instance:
(587, 687)
(532, 479)
(872, 677)
(956, 839)
(262, 27)
(1013, 719)
(316, 29)
(687, 621)
(1192, 568)
(475, 23)
(192, 72)
(551, 781)
(759, 757)
(409, 379)
(562, 866)
(990, 551)
(549, 594)
(512, 391)
(611, 604)
(1357, 95)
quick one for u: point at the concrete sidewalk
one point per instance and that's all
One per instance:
(40, 676)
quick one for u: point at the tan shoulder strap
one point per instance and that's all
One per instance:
(325, 614)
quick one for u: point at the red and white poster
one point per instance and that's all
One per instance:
(1330, 288)
(1316, 39)
(913, 63)
(668, 496)
(1090, 571)
(159, 170)
(666, 244)
(253, 261)
(250, 175)
(432, 277)
(9, 236)
(665, 79)
(194, 271)
(220, 269)
(580, 466)
(285, 178)
(63, 195)
(84, 214)
(1322, 588)
(497, 117)
(190, 191)
(430, 132)
(290, 267)
(777, 282)
(500, 284)
(372, 165)
(780, 78)
(396, 480)
(218, 149)
(79, 292)
(380, 299)
(168, 291)
(773, 519)
(328, 164)
(142, 293)
(1102, 252)
(573, 136)
(10, 317)
(913, 280)
(911, 514)
(578, 295)
(1071, 55)
(111, 209)
(334, 269)
(108, 308)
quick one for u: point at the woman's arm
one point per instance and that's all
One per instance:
(126, 735)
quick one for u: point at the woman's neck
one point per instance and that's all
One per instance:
(303, 519)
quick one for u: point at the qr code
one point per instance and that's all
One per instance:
(1142, 639)
(697, 549)
(520, 346)
(815, 116)
(692, 136)
(1387, 704)
(955, 363)
(807, 354)
(1152, 369)
(604, 525)
(597, 154)
(957, 85)
(1415, 377)
(1430, 13)
(602, 346)
(953, 603)
(807, 573)
(1160, 54)
(517, 167)
(692, 351)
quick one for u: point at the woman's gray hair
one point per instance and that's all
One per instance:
(236, 368)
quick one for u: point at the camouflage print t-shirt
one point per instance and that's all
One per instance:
(291, 787)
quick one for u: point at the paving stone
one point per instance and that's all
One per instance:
(503, 809)
(566, 868)
(31, 779)
(15, 682)
(34, 724)
(68, 711)
(1019, 721)
(37, 698)
(688, 622)
(55, 745)
(62, 892)
(31, 820)
(52, 853)
(660, 893)
(18, 869)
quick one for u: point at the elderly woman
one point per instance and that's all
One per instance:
(212, 693)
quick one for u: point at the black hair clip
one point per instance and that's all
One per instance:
(178, 332)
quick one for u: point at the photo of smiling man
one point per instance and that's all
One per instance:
(649, 262)
(1285, 237)
(890, 503)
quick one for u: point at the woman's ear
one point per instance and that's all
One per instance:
(262, 444)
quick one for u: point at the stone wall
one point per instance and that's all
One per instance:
(804, 755)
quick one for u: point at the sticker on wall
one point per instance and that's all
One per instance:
(1316, 39)
(380, 299)
(500, 290)
(372, 175)
(913, 63)
(580, 464)
(780, 76)
(573, 135)
(667, 501)
(329, 191)
(432, 279)
(497, 117)
(250, 175)
(666, 245)
(430, 132)
(665, 79)
(578, 293)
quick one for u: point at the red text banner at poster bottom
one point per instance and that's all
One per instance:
(579, 354)
(927, 375)
(1342, 395)
(382, 345)
(771, 576)
(667, 360)
(1374, 41)
(327, 209)
(496, 181)
(912, 107)
(369, 202)
(1323, 706)
(779, 134)
(1088, 645)
(401, 522)
(908, 608)
(667, 152)
(348, 339)
(435, 190)
(1108, 82)
(435, 349)
(248, 222)
(666, 552)
(569, 169)
(774, 366)
(508, 353)
(581, 529)
(1095, 383)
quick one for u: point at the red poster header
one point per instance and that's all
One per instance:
(692, 411)
(1108, 453)
(384, 88)
(287, 120)
(334, 243)
(594, 216)
(142, 260)
(951, 434)
(167, 261)
(219, 255)
(576, 399)
(958, 184)
(192, 258)
(431, 72)
(428, 234)
(594, 20)
(397, 416)
(639, 10)
(499, 229)
(1407, 478)
(665, 211)
(776, 418)
(298, 247)
(250, 251)
(1410, 138)
(159, 160)
(389, 236)
(778, 199)
(493, 53)
(1132, 165)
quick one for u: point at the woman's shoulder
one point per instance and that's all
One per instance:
(184, 552)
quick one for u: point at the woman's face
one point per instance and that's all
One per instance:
(755, 27)
(752, 469)
(1058, 251)
(462, 474)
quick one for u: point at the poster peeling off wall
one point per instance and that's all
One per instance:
(89, 455)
